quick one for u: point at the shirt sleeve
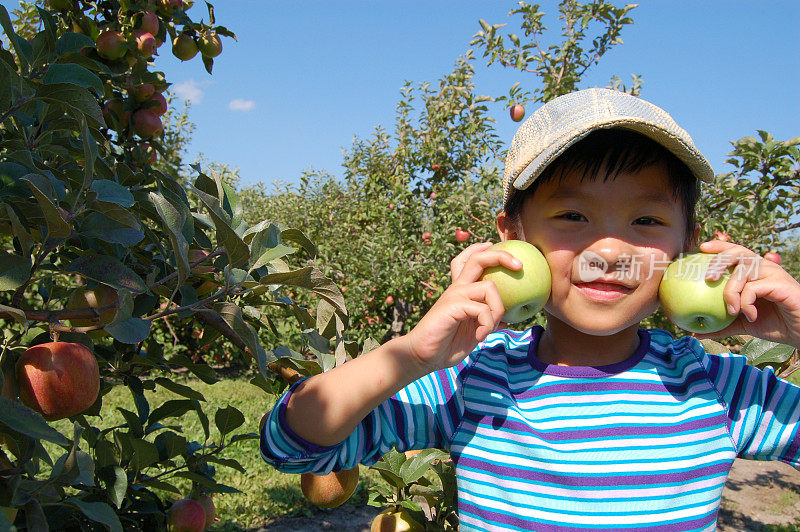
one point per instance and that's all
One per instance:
(424, 414)
(764, 410)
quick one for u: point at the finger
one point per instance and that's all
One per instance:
(739, 278)
(768, 290)
(477, 263)
(735, 256)
(480, 312)
(458, 262)
(483, 292)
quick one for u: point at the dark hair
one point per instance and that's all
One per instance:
(616, 150)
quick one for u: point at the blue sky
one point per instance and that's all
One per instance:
(306, 77)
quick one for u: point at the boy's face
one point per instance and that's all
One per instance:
(625, 229)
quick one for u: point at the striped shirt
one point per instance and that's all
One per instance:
(645, 444)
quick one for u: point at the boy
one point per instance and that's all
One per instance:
(591, 422)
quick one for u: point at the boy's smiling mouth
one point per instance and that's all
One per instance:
(604, 291)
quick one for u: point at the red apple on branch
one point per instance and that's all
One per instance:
(111, 45)
(721, 235)
(186, 515)
(58, 379)
(462, 236)
(517, 112)
(773, 256)
(146, 123)
(149, 22)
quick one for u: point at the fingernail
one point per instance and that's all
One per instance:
(517, 263)
(731, 310)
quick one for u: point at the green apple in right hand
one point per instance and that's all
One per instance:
(691, 302)
(526, 291)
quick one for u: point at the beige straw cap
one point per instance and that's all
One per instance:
(565, 120)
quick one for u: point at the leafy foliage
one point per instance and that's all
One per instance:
(85, 203)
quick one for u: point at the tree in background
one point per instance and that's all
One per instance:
(109, 249)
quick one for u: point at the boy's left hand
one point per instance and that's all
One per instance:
(766, 297)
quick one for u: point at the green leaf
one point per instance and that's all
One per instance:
(130, 331)
(74, 74)
(228, 419)
(116, 482)
(180, 389)
(762, 353)
(14, 271)
(25, 421)
(57, 227)
(413, 468)
(133, 421)
(99, 512)
(101, 227)
(227, 462)
(170, 445)
(77, 101)
(21, 46)
(173, 219)
(89, 152)
(73, 42)
(714, 348)
(145, 453)
(111, 192)
(177, 408)
(237, 251)
(311, 278)
(107, 270)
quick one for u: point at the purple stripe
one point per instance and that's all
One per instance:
(489, 517)
(586, 481)
(597, 433)
(568, 387)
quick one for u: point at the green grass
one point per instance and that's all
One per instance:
(267, 493)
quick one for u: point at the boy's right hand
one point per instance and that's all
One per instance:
(464, 314)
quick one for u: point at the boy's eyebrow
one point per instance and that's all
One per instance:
(572, 193)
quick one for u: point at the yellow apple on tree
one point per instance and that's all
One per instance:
(331, 490)
(395, 519)
(99, 297)
(689, 300)
(526, 291)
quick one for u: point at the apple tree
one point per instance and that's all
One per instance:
(101, 245)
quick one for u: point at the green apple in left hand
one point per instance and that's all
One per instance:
(524, 292)
(689, 300)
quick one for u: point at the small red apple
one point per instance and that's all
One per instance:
(436, 167)
(158, 104)
(149, 22)
(146, 123)
(207, 503)
(114, 116)
(389, 300)
(111, 45)
(462, 236)
(517, 112)
(773, 256)
(145, 42)
(426, 235)
(143, 92)
(58, 379)
(721, 235)
(186, 515)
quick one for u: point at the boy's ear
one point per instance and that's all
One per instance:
(507, 228)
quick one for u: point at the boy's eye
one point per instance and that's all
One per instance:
(649, 221)
(570, 216)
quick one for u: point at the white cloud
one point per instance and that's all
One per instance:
(189, 90)
(241, 105)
